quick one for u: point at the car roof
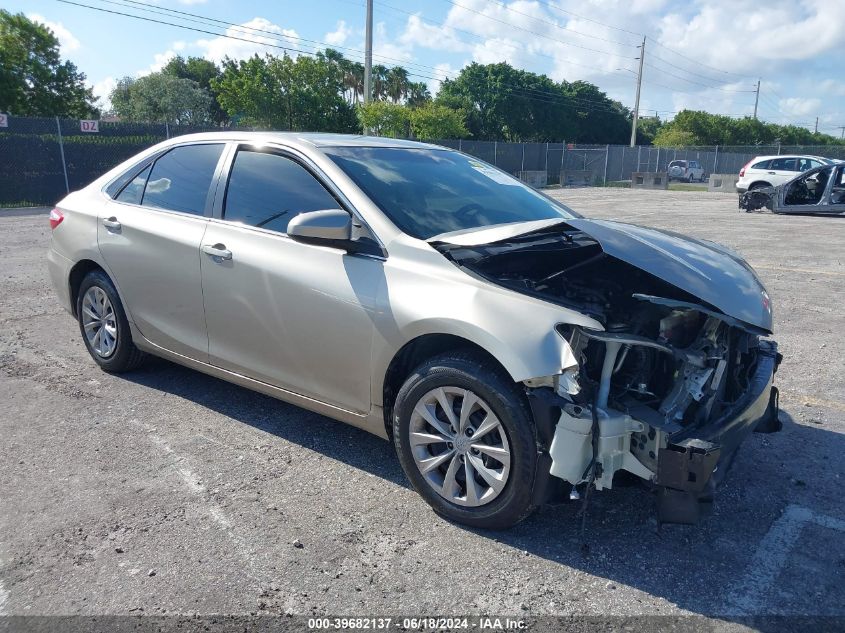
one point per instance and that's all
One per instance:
(756, 158)
(312, 139)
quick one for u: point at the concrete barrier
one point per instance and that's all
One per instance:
(725, 183)
(576, 178)
(649, 180)
(535, 179)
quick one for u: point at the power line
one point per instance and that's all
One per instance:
(528, 93)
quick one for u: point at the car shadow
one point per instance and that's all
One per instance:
(695, 568)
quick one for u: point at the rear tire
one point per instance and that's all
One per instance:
(104, 326)
(482, 452)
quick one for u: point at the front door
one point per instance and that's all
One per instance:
(297, 316)
(150, 236)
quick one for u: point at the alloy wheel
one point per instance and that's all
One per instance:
(99, 321)
(460, 446)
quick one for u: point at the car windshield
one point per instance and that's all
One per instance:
(427, 192)
(678, 163)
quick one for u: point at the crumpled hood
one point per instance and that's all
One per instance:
(707, 270)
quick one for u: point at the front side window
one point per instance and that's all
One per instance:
(266, 190)
(426, 192)
(785, 164)
(180, 179)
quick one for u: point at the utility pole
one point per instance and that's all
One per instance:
(368, 57)
(841, 127)
(637, 100)
(816, 131)
(756, 99)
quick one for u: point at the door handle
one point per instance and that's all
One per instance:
(772, 173)
(217, 250)
(112, 223)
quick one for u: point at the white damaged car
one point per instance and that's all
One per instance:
(499, 339)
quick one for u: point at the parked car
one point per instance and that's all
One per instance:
(686, 170)
(817, 191)
(501, 340)
(770, 171)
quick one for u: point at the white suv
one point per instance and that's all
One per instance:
(686, 170)
(771, 171)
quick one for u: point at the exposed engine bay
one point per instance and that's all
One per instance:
(665, 366)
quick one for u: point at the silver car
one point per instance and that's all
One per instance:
(511, 349)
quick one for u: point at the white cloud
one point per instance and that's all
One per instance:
(339, 35)
(253, 36)
(800, 106)
(159, 61)
(102, 91)
(67, 40)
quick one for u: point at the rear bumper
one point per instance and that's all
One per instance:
(696, 460)
(59, 268)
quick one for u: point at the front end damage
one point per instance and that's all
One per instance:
(681, 373)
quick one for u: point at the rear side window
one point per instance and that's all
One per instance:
(763, 164)
(180, 179)
(267, 190)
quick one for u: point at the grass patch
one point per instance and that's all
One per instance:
(687, 186)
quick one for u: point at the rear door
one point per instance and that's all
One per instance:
(782, 170)
(295, 315)
(150, 235)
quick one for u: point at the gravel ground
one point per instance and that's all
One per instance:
(165, 491)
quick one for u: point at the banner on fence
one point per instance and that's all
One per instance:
(89, 125)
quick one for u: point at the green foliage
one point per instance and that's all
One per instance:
(702, 128)
(203, 72)
(161, 97)
(503, 102)
(33, 79)
(436, 121)
(384, 118)
(305, 93)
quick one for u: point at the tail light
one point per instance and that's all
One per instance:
(56, 218)
(744, 167)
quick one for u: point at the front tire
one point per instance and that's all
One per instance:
(104, 326)
(466, 441)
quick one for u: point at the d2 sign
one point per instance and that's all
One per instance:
(89, 125)
(4, 120)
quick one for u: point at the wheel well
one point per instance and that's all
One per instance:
(759, 183)
(416, 352)
(77, 274)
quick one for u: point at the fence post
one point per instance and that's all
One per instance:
(62, 152)
(523, 157)
(606, 155)
(562, 156)
(459, 145)
(639, 157)
(546, 163)
(167, 130)
(622, 165)
(657, 164)
(716, 161)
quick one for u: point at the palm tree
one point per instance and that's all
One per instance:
(353, 80)
(417, 94)
(396, 80)
(379, 77)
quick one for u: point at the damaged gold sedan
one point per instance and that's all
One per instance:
(511, 349)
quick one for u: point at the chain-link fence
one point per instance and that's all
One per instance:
(41, 160)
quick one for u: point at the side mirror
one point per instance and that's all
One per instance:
(331, 225)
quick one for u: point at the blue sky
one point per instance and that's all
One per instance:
(702, 54)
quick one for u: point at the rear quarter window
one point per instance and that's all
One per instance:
(763, 164)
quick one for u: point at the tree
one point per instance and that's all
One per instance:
(435, 121)
(160, 97)
(34, 81)
(203, 72)
(305, 93)
(396, 83)
(502, 102)
(384, 118)
(417, 94)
